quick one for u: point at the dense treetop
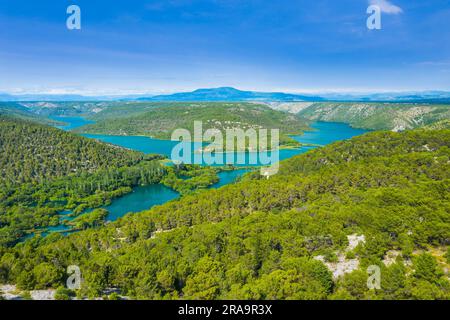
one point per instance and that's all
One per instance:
(31, 152)
(260, 238)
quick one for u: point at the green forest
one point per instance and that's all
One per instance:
(36, 153)
(225, 158)
(159, 120)
(259, 238)
(18, 111)
(46, 171)
(87, 175)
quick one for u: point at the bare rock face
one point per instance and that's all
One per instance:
(10, 292)
(391, 257)
(43, 294)
(291, 107)
(354, 240)
(344, 265)
(341, 267)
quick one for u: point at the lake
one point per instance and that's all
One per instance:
(142, 198)
(145, 197)
(324, 133)
(328, 132)
(71, 122)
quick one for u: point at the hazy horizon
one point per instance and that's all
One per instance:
(169, 92)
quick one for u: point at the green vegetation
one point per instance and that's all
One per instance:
(30, 152)
(377, 116)
(440, 125)
(117, 110)
(17, 111)
(258, 239)
(160, 120)
(31, 206)
(35, 190)
(46, 171)
(186, 179)
(63, 293)
(93, 219)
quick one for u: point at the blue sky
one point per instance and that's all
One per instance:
(145, 46)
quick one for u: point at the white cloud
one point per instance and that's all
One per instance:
(386, 6)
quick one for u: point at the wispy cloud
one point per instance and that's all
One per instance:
(442, 63)
(386, 6)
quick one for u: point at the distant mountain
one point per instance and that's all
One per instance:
(18, 111)
(224, 94)
(65, 97)
(230, 94)
(45, 97)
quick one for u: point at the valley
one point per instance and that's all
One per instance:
(224, 159)
(114, 191)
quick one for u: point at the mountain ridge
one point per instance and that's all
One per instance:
(233, 94)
